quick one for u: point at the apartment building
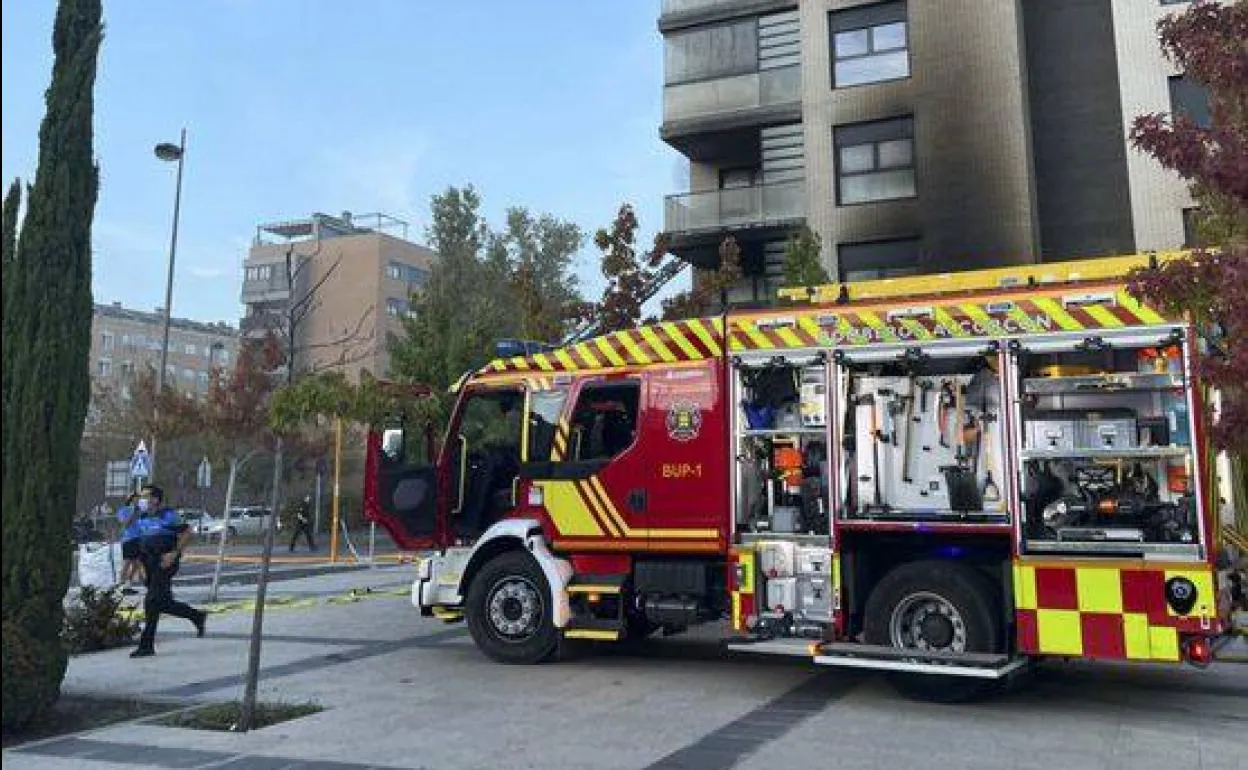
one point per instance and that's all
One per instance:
(353, 281)
(918, 135)
(127, 342)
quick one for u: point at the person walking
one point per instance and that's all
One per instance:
(164, 536)
(303, 523)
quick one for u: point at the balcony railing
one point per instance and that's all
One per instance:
(274, 288)
(767, 88)
(764, 204)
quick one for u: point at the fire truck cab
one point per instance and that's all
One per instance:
(944, 477)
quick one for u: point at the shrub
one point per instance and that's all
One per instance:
(95, 622)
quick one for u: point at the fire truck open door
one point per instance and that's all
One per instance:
(400, 487)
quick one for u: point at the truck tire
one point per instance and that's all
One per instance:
(508, 610)
(935, 605)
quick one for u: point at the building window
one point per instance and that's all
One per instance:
(117, 478)
(869, 260)
(107, 341)
(711, 52)
(188, 374)
(125, 340)
(190, 348)
(258, 273)
(1190, 98)
(171, 372)
(106, 367)
(397, 307)
(875, 161)
(869, 44)
(223, 356)
(408, 274)
(126, 369)
(201, 379)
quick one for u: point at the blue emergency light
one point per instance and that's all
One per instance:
(510, 348)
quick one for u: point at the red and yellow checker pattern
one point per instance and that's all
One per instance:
(1108, 612)
(664, 343)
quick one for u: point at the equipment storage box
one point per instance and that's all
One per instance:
(814, 561)
(775, 559)
(782, 593)
(1054, 431)
(815, 598)
(1107, 429)
(814, 398)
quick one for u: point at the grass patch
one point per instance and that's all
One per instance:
(224, 716)
(73, 714)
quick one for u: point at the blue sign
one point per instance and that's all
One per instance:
(140, 462)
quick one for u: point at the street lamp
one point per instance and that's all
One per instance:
(170, 153)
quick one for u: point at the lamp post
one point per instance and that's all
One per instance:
(168, 152)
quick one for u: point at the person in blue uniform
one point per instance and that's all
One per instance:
(163, 537)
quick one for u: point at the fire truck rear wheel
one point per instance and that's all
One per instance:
(508, 610)
(937, 606)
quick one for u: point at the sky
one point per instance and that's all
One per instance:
(298, 106)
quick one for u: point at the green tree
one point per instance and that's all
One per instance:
(539, 252)
(802, 266)
(47, 323)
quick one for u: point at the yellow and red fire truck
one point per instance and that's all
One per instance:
(946, 477)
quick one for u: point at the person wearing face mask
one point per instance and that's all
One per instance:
(131, 530)
(164, 536)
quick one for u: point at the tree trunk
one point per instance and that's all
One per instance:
(248, 710)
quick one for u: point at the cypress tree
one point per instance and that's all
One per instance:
(47, 336)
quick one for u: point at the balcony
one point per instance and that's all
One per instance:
(780, 204)
(273, 289)
(676, 14)
(260, 324)
(709, 119)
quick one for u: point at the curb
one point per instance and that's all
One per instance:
(135, 611)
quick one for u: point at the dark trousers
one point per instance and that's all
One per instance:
(302, 527)
(159, 599)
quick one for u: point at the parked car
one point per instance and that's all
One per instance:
(249, 519)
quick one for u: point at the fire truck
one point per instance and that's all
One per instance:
(944, 477)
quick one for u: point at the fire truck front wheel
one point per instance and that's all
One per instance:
(935, 606)
(508, 610)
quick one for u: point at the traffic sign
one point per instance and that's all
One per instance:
(140, 462)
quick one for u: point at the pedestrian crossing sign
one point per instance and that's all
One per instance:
(140, 462)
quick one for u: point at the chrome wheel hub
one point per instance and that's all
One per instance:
(925, 621)
(515, 608)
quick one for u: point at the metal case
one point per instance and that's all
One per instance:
(1054, 431)
(1108, 429)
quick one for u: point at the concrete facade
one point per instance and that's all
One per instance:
(125, 343)
(1011, 119)
(359, 277)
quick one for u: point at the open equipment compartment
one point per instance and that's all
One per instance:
(781, 472)
(1106, 453)
(922, 435)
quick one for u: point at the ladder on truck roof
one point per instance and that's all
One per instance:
(1074, 271)
(591, 327)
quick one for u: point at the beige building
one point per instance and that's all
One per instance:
(353, 279)
(917, 135)
(125, 343)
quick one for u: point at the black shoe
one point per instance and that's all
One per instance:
(199, 624)
(143, 652)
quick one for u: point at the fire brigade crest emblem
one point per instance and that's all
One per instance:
(684, 421)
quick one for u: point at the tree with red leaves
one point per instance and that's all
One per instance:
(1209, 43)
(630, 277)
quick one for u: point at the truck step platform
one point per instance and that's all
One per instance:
(970, 664)
(794, 647)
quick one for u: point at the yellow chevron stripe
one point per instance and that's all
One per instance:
(705, 335)
(1102, 315)
(790, 338)
(916, 328)
(1022, 318)
(565, 359)
(633, 350)
(757, 337)
(678, 335)
(977, 314)
(1145, 313)
(605, 499)
(568, 510)
(875, 322)
(1058, 313)
(543, 362)
(810, 326)
(656, 344)
(584, 352)
(598, 494)
(613, 525)
(608, 350)
(520, 362)
(560, 446)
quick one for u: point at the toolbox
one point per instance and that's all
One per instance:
(1052, 430)
(1107, 429)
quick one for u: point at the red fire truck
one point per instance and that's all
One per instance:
(945, 477)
